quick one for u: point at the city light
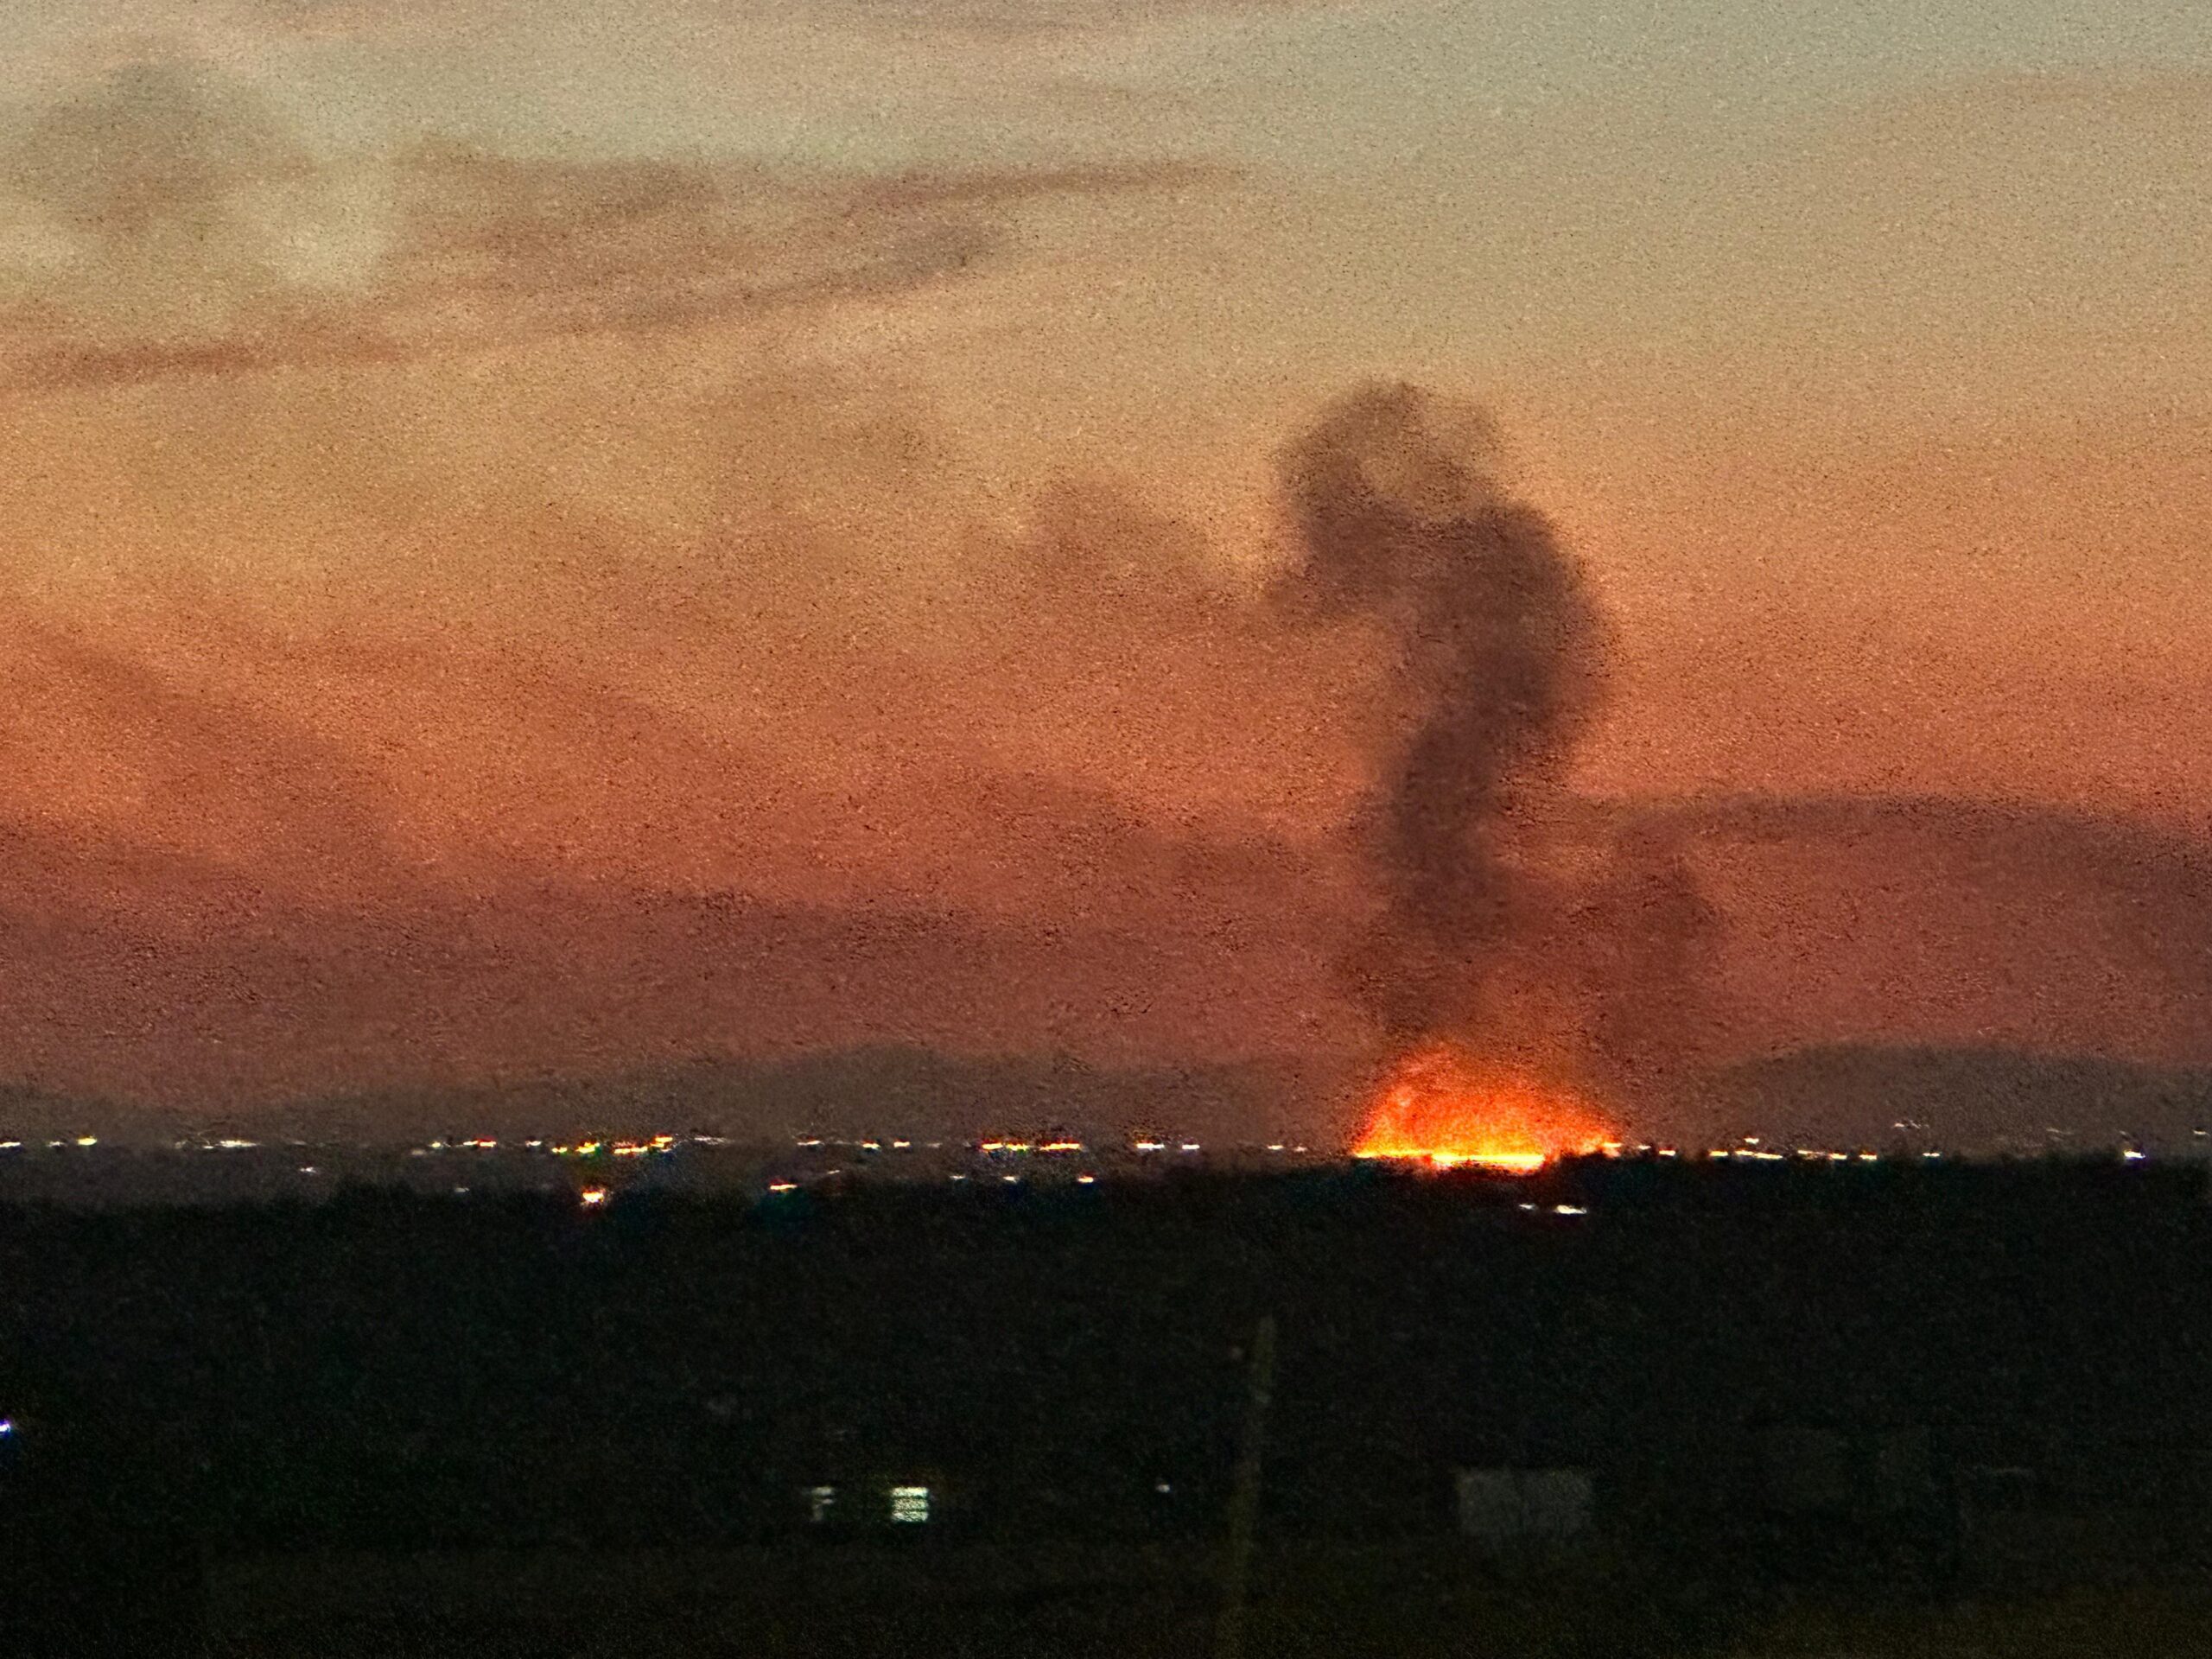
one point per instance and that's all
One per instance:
(910, 1505)
(593, 1197)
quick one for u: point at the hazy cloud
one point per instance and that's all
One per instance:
(171, 226)
(1045, 19)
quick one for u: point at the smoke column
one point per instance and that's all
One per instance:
(1495, 656)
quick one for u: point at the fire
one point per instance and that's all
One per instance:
(1443, 1108)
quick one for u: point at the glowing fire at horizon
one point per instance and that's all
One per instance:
(1443, 1108)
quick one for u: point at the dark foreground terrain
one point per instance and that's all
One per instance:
(1910, 1407)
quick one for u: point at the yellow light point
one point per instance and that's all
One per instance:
(1061, 1146)
(585, 1149)
(593, 1197)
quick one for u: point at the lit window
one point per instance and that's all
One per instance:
(820, 1502)
(910, 1505)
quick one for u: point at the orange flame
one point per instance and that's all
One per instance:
(1443, 1108)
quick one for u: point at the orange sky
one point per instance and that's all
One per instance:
(718, 446)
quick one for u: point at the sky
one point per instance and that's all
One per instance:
(483, 479)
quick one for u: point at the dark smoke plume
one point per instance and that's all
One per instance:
(1496, 656)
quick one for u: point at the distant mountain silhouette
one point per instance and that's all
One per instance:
(36, 1116)
(1977, 1100)
(884, 1089)
(1983, 1100)
(129, 972)
(1952, 924)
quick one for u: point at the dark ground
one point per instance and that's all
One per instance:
(544, 1430)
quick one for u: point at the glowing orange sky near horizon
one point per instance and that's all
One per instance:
(392, 525)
